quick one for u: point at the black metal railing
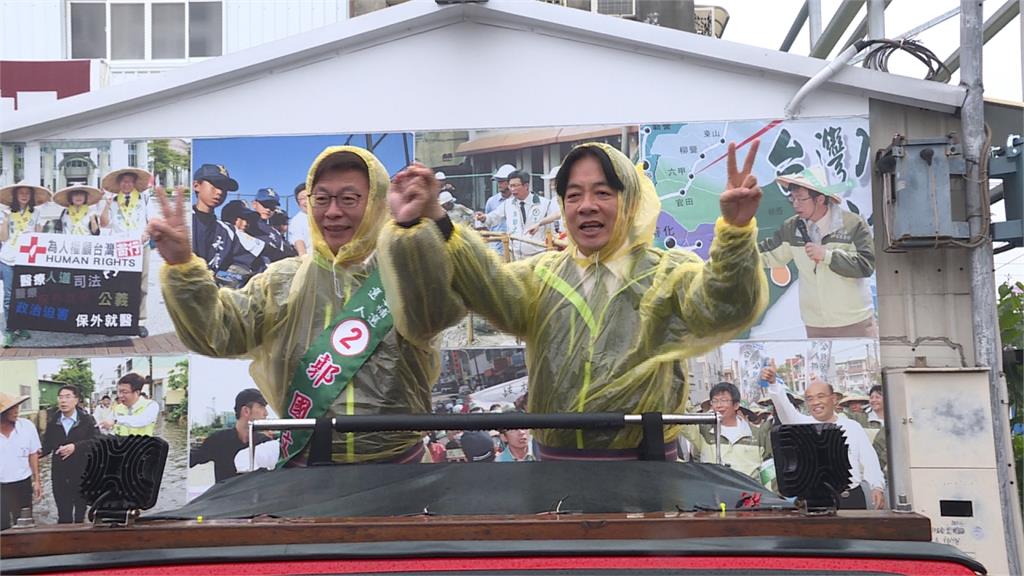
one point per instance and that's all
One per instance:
(651, 447)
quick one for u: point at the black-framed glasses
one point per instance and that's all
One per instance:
(344, 200)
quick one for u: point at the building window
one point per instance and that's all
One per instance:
(145, 29)
(169, 32)
(127, 25)
(26, 391)
(88, 21)
(205, 29)
(76, 170)
(19, 163)
(133, 153)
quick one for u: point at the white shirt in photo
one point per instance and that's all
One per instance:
(15, 450)
(298, 229)
(16, 226)
(133, 220)
(864, 464)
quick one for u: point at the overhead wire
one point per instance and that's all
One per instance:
(880, 50)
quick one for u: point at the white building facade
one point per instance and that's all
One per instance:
(142, 37)
(127, 40)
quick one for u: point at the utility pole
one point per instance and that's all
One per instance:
(987, 348)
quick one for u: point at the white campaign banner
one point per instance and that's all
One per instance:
(100, 253)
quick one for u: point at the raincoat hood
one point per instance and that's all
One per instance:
(599, 338)
(364, 241)
(638, 210)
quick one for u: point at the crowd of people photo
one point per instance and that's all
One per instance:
(123, 206)
(68, 431)
(243, 240)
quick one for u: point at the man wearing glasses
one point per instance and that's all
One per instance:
(70, 431)
(834, 254)
(745, 446)
(317, 327)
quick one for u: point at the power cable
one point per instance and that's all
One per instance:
(877, 57)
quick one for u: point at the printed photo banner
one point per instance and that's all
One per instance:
(86, 285)
(687, 162)
(851, 365)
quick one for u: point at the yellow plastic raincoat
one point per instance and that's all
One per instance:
(620, 348)
(276, 316)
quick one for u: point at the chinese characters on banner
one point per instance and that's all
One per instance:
(87, 285)
(687, 162)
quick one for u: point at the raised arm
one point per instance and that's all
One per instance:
(788, 414)
(726, 294)
(427, 270)
(105, 213)
(729, 292)
(208, 320)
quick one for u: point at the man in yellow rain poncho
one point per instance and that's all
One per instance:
(317, 327)
(607, 323)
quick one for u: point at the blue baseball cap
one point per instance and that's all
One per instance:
(268, 197)
(217, 175)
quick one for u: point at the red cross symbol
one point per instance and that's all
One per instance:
(33, 249)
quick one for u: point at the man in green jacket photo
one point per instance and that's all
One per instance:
(834, 253)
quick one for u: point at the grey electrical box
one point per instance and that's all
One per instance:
(922, 186)
(1007, 164)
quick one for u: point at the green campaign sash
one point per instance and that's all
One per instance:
(327, 367)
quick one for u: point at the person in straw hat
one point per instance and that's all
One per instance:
(80, 216)
(127, 209)
(22, 199)
(128, 213)
(20, 482)
(854, 405)
(834, 253)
